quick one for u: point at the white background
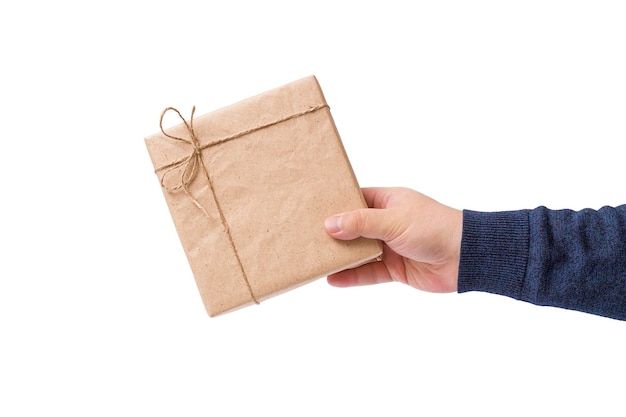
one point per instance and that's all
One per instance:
(486, 105)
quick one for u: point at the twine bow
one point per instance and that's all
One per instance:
(190, 162)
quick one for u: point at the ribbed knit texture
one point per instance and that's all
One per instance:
(561, 258)
(494, 252)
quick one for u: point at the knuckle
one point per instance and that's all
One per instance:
(360, 221)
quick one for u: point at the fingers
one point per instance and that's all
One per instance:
(376, 272)
(368, 274)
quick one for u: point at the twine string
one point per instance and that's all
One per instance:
(191, 165)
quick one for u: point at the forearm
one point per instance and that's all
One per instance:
(561, 258)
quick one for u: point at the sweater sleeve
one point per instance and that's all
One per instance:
(562, 258)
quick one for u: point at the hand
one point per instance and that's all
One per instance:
(421, 240)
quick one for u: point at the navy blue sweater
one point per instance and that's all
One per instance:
(562, 258)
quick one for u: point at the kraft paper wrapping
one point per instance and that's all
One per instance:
(249, 186)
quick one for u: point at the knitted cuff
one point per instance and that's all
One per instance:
(494, 252)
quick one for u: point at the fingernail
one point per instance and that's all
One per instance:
(333, 224)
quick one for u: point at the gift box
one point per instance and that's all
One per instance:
(248, 187)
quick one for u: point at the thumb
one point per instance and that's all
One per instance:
(370, 223)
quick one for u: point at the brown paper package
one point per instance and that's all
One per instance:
(249, 186)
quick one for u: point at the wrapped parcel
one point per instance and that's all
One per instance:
(249, 186)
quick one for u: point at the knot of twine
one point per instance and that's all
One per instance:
(192, 164)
